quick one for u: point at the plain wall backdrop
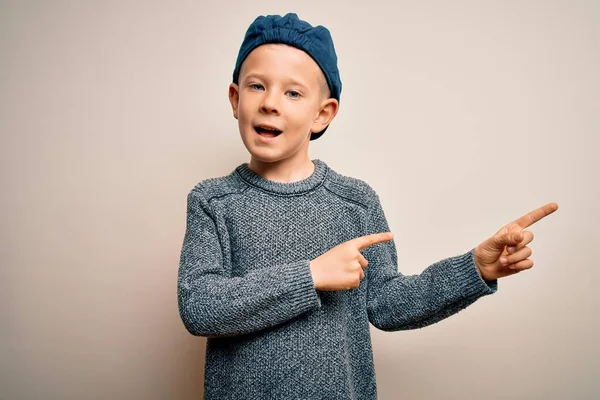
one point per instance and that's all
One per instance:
(463, 115)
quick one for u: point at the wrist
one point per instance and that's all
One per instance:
(313, 274)
(477, 267)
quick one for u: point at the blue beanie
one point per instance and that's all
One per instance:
(316, 41)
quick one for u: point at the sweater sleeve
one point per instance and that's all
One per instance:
(400, 302)
(213, 303)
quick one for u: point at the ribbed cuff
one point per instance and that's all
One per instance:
(467, 277)
(303, 294)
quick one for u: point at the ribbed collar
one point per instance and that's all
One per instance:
(305, 185)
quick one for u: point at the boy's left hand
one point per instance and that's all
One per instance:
(490, 254)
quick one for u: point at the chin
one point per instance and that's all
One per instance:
(261, 152)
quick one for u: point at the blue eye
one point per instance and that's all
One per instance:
(294, 97)
(254, 85)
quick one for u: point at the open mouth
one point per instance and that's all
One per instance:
(267, 131)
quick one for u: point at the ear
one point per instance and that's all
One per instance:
(327, 111)
(234, 98)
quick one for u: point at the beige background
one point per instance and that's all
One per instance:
(463, 115)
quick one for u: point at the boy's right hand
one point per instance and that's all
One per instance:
(341, 267)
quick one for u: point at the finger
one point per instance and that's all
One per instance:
(362, 260)
(506, 239)
(532, 217)
(527, 238)
(521, 265)
(368, 240)
(521, 254)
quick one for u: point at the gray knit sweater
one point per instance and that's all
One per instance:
(245, 283)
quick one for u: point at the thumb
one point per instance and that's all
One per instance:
(507, 239)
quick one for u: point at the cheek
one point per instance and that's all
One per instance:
(244, 109)
(303, 115)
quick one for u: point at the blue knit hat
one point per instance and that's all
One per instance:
(290, 30)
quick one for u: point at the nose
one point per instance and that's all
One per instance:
(269, 102)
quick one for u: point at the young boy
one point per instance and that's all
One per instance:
(285, 261)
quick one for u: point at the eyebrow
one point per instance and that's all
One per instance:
(260, 76)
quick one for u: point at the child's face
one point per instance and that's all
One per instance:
(283, 87)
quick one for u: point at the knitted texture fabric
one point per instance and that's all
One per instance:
(245, 283)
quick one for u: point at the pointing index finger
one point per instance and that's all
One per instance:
(532, 217)
(374, 238)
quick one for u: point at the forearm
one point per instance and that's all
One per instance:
(409, 302)
(213, 305)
